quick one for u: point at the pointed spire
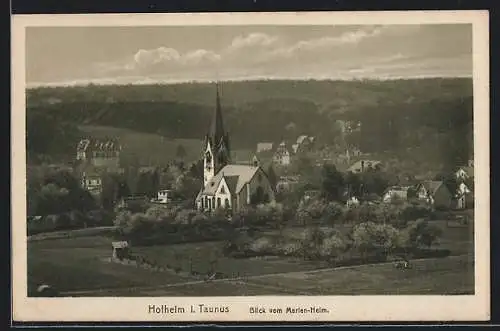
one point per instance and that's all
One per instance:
(217, 126)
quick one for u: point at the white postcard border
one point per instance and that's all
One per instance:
(341, 308)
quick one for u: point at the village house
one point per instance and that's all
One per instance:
(464, 173)
(163, 196)
(91, 181)
(435, 193)
(287, 183)
(226, 185)
(97, 157)
(264, 147)
(364, 165)
(395, 193)
(303, 143)
(121, 250)
(282, 155)
(352, 202)
(463, 197)
(99, 153)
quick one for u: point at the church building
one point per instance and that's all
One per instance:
(226, 185)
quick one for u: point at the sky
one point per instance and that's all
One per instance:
(139, 55)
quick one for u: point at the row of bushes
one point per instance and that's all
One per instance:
(160, 225)
(320, 211)
(69, 221)
(365, 242)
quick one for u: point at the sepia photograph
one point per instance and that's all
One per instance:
(261, 159)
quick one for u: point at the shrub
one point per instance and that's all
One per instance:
(310, 210)
(422, 234)
(333, 212)
(185, 216)
(244, 216)
(351, 215)
(333, 245)
(199, 218)
(263, 245)
(411, 212)
(378, 238)
(291, 248)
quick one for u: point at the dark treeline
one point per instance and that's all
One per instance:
(435, 114)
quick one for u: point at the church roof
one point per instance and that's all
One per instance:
(232, 182)
(236, 177)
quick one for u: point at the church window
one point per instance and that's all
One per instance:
(213, 202)
(222, 190)
(259, 178)
(226, 202)
(218, 203)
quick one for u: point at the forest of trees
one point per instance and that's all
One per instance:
(433, 114)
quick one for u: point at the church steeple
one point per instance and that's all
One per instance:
(216, 131)
(216, 149)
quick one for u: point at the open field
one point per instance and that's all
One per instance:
(77, 266)
(445, 276)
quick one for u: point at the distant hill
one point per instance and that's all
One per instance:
(395, 115)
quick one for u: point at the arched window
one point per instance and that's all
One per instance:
(226, 203)
(213, 203)
(218, 203)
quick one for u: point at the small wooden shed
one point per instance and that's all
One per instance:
(120, 249)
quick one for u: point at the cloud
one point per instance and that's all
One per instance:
(165, 56)
(323, 43)
(255, 39)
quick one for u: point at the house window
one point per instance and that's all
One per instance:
(226, 203)
(218, 203)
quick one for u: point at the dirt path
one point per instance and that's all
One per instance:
(242, 280)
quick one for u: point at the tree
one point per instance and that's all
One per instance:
(196, 169)
(423, 234)
(271, 175)
(354, 184)
(148, 183)
(375, 238)
(187, 186)
(332, 184)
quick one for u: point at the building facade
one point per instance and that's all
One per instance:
(99, 153)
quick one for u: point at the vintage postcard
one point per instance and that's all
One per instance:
(251, 167)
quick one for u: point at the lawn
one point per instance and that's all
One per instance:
(452, 275)
(448, 276)
(78, 264)
(201, 255)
